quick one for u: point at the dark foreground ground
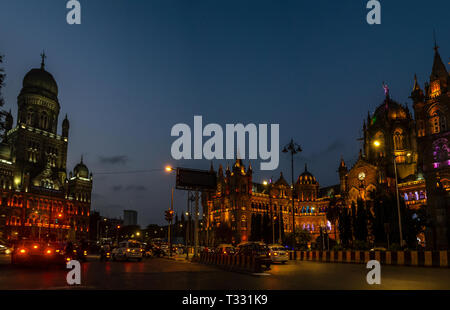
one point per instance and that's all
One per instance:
(164, 274)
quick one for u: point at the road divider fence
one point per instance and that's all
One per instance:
(400, 258)
(238, 263)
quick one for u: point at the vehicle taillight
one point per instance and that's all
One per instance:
(22, 251)
(35, 246)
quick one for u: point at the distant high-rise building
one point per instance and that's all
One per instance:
(129, 217)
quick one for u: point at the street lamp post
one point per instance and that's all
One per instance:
(292, 148)
(377, 143)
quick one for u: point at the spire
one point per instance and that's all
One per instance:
(81, 159)
(416, 84)
(439, 70)
(306, 167)
(211, 168)
(43, 56)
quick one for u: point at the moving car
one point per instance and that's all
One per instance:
(128, 250)
(256, 249)
(278, 253)
(37, 252)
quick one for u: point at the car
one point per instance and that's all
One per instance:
(37, 253)
(278, 253)
(226, 249)
(258, 250)
(128, 250)
(4, 249)
(378, 249)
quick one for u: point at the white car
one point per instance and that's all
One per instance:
(128, 250)
(278, 254)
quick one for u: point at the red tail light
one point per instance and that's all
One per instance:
(22, 251)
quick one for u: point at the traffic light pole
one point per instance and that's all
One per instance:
(196, 226)
(170, 224)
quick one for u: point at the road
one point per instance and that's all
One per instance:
(165, 274)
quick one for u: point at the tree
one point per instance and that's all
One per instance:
(345, 227)
(361, 222)
(302, 238)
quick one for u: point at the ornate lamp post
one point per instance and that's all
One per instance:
(292, 148)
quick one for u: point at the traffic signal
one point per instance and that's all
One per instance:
(169, 215)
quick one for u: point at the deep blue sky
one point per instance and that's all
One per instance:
(133, 69)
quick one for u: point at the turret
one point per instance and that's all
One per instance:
(342, 175)
(65, 127)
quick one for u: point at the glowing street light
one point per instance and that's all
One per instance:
(169, 169)
(376, 143)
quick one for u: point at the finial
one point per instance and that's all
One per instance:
(436, 47)
(386, 89)
(306, 167)
(81, 158)
(43, 56)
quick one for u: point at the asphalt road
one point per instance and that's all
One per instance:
(164, 274)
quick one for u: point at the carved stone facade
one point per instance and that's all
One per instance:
(38, 198)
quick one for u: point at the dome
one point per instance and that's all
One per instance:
(306, 177)
(39, 80)
(81, 170)
(392, 109)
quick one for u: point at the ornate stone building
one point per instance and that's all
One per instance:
(238, 198)
(38, 198)
(419, 146)
(432, 111)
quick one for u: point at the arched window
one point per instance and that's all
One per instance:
(44, 120)
(30, 115)
(244, 222)
(438, 122)
(399, 139)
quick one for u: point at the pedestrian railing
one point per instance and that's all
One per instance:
(239, 263)
(402, 258)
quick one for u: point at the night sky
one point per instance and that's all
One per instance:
(133, 69)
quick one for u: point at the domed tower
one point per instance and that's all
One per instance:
(35, 145)
(38, 100)
(307, 186)
(390, 133)
(80, 183)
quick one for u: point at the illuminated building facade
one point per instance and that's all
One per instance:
(420, 147)
(237, 199)
(38, 198)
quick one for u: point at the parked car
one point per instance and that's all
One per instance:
(379, 249)
(226, 249)
(278, 253)
(128, 250)
(258, 250)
